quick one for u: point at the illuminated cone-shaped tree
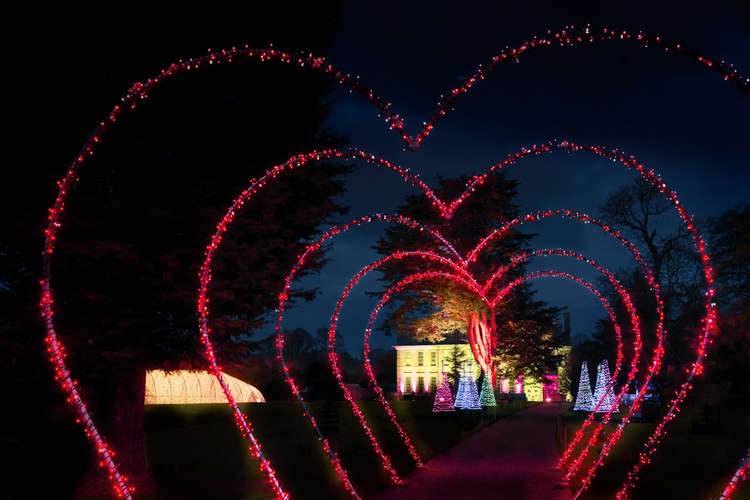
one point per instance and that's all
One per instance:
(487, 396)
(584, 400)
(467, 397)
(443, 397)
(603, 389)
(461, 387)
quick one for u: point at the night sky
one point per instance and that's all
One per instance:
(675, 116)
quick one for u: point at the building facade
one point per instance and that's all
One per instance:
(419, 368)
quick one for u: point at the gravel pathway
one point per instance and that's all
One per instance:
(511, 459)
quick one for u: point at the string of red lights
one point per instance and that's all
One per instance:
(649, 175)
(463, 277)
(696, 368)
(440, 239)
(409, 280)
(635, 323)
(647, 273)
(141, 90)
(283, 297)
(734, 481)
(708, 322)
(301, 160)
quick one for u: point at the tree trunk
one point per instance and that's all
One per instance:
(121, 417)
(128, 413)
(483, 341)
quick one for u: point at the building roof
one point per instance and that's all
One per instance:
(426, 346)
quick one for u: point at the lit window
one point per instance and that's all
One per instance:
(420, 384)
(433, 359)
(420, 358)
(408, 384)
(433, 383)
(407, 359)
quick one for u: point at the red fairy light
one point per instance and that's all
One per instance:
(283, 297)
(463, 277)
(742, 471)
(388, 295)
(568, 214)
(447, 209)
(569, 36)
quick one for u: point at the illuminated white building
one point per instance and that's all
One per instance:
(419, 368)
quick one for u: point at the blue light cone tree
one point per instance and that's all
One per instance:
(443, 397)
(467, 397)
(461, 388)
(584, 399)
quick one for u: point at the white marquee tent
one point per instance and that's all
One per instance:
(195, 387)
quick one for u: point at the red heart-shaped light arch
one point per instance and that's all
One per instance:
(140, 91)
(283, 295)
(442, 242)
(498, 233)
(409, 280)
(530, 217)
(629, 162)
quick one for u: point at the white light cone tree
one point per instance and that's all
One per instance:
(603, 389)
(584, 399)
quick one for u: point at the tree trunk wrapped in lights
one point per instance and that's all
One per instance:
(584, 400)
(443, 397)
(483, 342)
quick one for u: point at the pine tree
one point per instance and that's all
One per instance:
(602, 390)
(456, 360)
(443, 397)
(584, 400)
(487, 397)
(467, 397)
(437, 309)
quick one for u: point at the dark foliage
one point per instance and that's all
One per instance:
(125, 272)
(432, 311)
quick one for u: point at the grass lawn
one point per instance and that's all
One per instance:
(196, 451)
(687, 465)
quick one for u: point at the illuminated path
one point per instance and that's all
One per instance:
(510, 459)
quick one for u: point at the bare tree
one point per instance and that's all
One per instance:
(640, 212)
(643, 215)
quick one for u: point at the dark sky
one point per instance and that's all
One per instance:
(674, 116)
